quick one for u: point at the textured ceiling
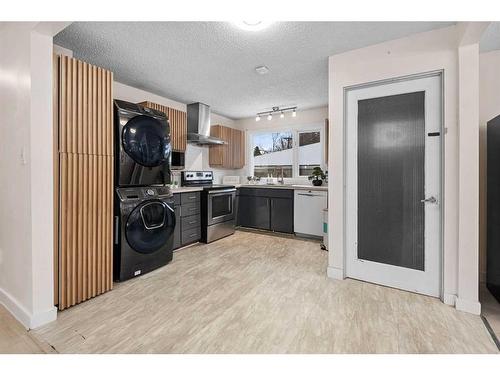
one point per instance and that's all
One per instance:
(491, 38)
(214, 62)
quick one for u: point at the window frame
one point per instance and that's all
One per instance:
(295, 130)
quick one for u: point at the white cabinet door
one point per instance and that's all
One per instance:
(308, 211)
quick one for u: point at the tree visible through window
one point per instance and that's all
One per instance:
(273, 154)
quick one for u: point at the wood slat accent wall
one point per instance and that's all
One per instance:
(230, 155)
(85, 184)
(178, 124)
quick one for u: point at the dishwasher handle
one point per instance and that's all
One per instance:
(309, 195)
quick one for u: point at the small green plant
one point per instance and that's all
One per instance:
(317, 174)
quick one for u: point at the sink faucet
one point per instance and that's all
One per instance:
(281, 181)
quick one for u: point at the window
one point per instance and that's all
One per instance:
(309, 152)
(295, 153)
(273, 153)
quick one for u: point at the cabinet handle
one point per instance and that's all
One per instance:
(192, 222)
(193, 235)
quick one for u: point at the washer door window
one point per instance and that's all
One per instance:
(149, 226)
(145, 141)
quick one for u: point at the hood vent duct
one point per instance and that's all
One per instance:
(198, 125)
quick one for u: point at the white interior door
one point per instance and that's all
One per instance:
(393, 186)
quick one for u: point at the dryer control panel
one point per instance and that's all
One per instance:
(135, 193)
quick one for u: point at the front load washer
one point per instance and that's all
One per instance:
(144, 230)
(143, 149)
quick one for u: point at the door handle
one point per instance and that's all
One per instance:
(432, 200)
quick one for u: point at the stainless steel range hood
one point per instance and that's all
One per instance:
(198, 125)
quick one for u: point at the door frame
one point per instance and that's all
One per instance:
(435, 73)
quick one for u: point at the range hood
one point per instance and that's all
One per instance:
(198, 125)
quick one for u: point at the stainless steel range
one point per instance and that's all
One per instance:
(218, 218)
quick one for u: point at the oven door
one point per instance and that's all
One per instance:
(221, 206)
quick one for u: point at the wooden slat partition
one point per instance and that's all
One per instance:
(178, 124)
(85, 186)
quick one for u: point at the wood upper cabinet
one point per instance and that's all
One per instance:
(178, 124)
(230, 155)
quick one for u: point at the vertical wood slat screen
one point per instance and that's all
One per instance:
(85, 128)
(178, 124)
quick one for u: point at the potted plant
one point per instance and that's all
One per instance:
(317, 176)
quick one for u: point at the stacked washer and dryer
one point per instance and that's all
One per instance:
(144, 204)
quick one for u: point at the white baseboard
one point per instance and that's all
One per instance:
(449, 299)
(472, 307)
(19, 312)
(15, 308)
(335, 273)
(44, 317)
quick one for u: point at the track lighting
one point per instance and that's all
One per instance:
(279, 110)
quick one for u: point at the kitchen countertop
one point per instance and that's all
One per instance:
(184, 189)
(291, 186)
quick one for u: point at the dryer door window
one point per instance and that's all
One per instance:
(149, 226)
(145, 140)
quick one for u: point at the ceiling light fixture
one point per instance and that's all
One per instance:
(279, 110)
(252, 25)
(262, 70)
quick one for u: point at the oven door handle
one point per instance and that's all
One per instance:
(222, 191)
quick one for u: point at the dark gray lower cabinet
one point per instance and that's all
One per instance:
(253, 212)
(187, 218)
(265, 208)
(177, 230)
(282, 215)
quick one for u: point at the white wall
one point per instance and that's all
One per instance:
(196, 156)
(489, 107)
(26, 175)
(424, 52)
(314, 117)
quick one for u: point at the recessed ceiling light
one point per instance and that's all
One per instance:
(252, 25)
(262, 70)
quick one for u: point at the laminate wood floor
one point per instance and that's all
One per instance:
(255, 293)
(14, 338)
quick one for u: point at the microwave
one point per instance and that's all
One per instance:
(178, 160)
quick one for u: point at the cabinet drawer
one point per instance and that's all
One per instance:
(189, 209)
(190, 197)
(190, 222)
(191, 235)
